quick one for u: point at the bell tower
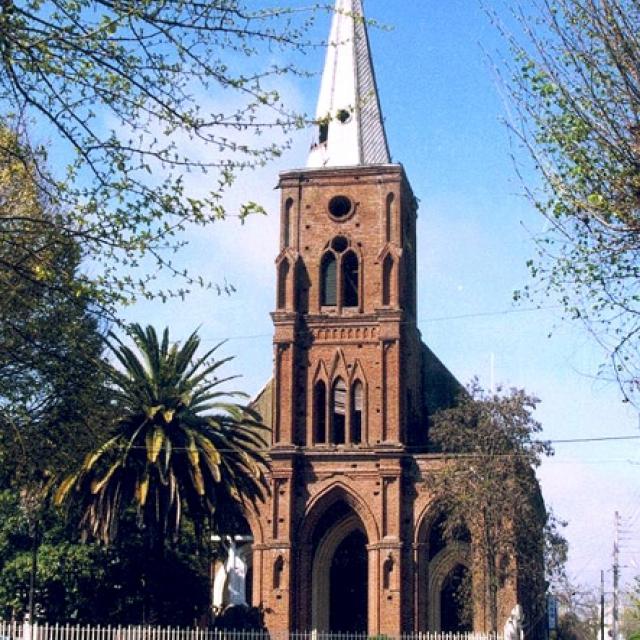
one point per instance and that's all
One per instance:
(350, 538)
(346, 398)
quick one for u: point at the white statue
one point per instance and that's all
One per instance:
(237, 574)
(229, 584)
(513, 626)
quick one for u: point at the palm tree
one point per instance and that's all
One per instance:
(180, 442)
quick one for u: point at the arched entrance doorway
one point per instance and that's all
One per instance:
(340, 574)
(455, 601)
(444, 571)
(348, 585)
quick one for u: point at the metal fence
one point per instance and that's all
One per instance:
(19, 631)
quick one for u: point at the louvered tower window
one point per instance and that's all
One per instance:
(319, 412)
(350, 276)
(357, 408)
(339, 412)
(329, 281)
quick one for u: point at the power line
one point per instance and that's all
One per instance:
(463, 454)
(599, 439)
(464, 316)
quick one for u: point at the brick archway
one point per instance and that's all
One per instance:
(317, 544)
(323, 557)
(453, 555)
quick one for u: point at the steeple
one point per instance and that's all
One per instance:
(351, 129)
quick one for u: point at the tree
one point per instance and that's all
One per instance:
(49, 337)
(180, 443)
(487, 484)
(579, 612)
(92, 583)
(576, 90)
(630, 626)
(122, 89)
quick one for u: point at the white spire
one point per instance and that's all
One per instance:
(351, 130)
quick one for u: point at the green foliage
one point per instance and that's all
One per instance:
(50, 395)
(630, 623)
(487, 484)
(180, 442)
(133, 96)
(576, 91)
(93, 584)
(556, 551)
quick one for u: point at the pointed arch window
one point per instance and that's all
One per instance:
(278, 570)
(286, 223)
(357, 409)
(339, 412)
(389, 217)
(319, 412)
(283, 282)
(329, 280)
(350, 280)
(387, 276)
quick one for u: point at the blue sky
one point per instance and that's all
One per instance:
(443, 112)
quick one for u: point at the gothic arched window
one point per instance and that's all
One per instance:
(387, 274)
(357, 409)
(286, 223)
(283, 277)
(328, 281)
(319, 412)
(350, 278)
(339, 412)
(278, 570)
(388, 217)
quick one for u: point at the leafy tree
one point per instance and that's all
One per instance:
(49, 339)
(51, 395)
(630, 624)
(91, 583)
(579, 612)
(487, 483)
(180, 443)
(122, 89)
(576, 90)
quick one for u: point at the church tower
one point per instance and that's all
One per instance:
(348, 540)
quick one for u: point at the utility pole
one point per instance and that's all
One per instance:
(616, 573)
(602, 605)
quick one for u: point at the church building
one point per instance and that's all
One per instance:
(350, 539)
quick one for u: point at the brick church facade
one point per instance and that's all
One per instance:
(349, 539)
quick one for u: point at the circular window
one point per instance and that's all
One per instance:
(339, 244)
(343, 116)
(340, 207)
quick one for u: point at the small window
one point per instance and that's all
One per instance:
(357, 402)
(278, 570)
(343, 116)
(339, 244)
(387, 574)
(286, 223)
(389, 217)
(283, 278)
(323, 132)
(319, 412)
(329, 281)
(339, 411)
(350, 277)
(387, 275)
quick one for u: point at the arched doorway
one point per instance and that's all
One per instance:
(340, 574)
(348, 585)
(455, 601)
(445, 577)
